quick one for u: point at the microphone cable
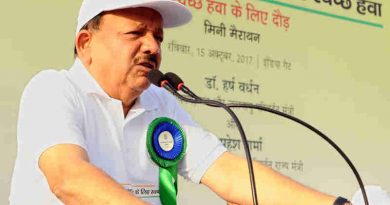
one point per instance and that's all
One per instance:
(158, 79)
(179, 84)
(315, 130)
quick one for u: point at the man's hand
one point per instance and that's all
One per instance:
(76, 181)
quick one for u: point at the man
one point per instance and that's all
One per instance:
(81, 133)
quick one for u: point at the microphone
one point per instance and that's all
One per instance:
(174, 80)
(178, 84)
(161, 80)
(158, 79)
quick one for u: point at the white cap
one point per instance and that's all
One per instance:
(173, 13)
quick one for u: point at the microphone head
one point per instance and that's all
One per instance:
(156, 77)
(174, 80)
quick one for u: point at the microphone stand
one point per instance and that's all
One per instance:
(186, 90)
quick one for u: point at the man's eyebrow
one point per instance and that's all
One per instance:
(144, 26)
(140, 26)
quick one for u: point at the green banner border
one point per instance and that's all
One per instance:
(344, 18)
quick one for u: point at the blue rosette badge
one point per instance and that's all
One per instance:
(166, 144)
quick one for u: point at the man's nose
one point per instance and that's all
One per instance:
(150, 44)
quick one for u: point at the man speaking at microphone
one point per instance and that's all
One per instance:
(86, 135)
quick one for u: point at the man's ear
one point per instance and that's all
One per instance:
(82, 43)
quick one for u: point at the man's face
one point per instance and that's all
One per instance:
(124, 49)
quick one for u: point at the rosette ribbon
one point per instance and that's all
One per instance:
(166, 144)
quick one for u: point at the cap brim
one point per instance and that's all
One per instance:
(173, 13)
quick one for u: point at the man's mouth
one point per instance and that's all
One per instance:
(149, 65)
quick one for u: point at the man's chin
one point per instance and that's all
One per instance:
(144, 86)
